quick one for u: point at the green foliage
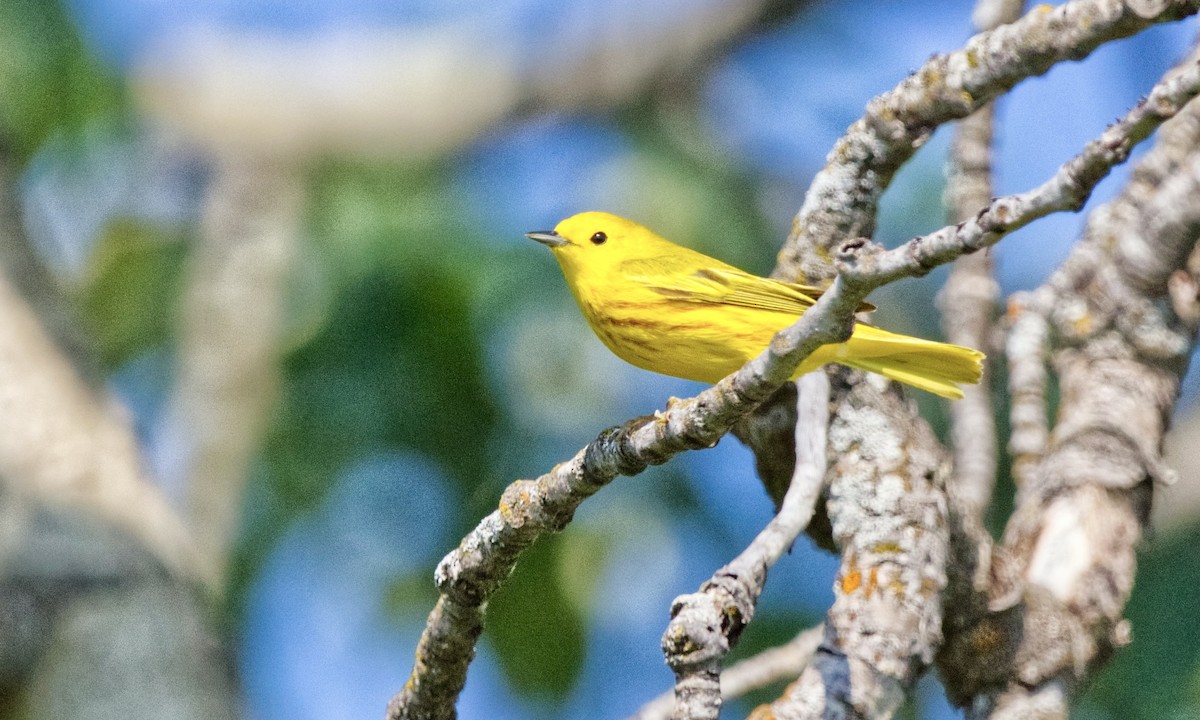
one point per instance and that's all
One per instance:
(681, 185)
(48, 81)
(397, 365)
(539, 635)
(1156, 676)
(129, 296)
(409, 598)
(392, 359)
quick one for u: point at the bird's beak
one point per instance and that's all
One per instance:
(549, 238)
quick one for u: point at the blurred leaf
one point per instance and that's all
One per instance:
(48, 80)
(681, 184)
(396, 365)
(581, 551)
(538, 633)
(371, 217)
(130, 293)
(411, 596)
(1155, 676)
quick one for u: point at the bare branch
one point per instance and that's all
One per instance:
(1083, 511)
(969, 297)
(888, 510)
(1081, 508)
(842, 201)
(968, 306)
(707, 624)
(1069, 189)
(783, 662)
(230, 342)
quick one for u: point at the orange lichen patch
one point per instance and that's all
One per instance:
(851, 581)
(1083, 324)
(886, 547)
(515, 502)
(762, 712)
(872, 582)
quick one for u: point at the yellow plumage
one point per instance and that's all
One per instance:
(675, 311)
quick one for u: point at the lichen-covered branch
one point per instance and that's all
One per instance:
(968, 299)
(842, 200)
(469, 575)
(1026, 348)
(705, 625)
(889, 514)
(875, 692)
(773, 665)
(1123, 309)
(1069, 189)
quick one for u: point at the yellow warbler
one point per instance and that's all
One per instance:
(675, 311)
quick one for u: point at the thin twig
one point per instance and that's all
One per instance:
(842, 201)
(773, 665)
(968, 307)
(706, 625)
(969, 297)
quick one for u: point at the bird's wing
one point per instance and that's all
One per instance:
(730, 286)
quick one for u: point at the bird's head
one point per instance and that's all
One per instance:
(597, 241)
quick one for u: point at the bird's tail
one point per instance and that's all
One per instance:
(933, 366)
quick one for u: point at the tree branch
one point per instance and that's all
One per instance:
(783, 662)
(230, 343)
(468, 576)
(1082, 514)
(1025, 347)
(888, 511)
(707, 624)
(66, 445)
(842, 200)
(1064, 572)
(968, 299)
(872, 691)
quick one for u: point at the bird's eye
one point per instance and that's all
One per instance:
(599, 238)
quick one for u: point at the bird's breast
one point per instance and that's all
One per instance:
(681, 338)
